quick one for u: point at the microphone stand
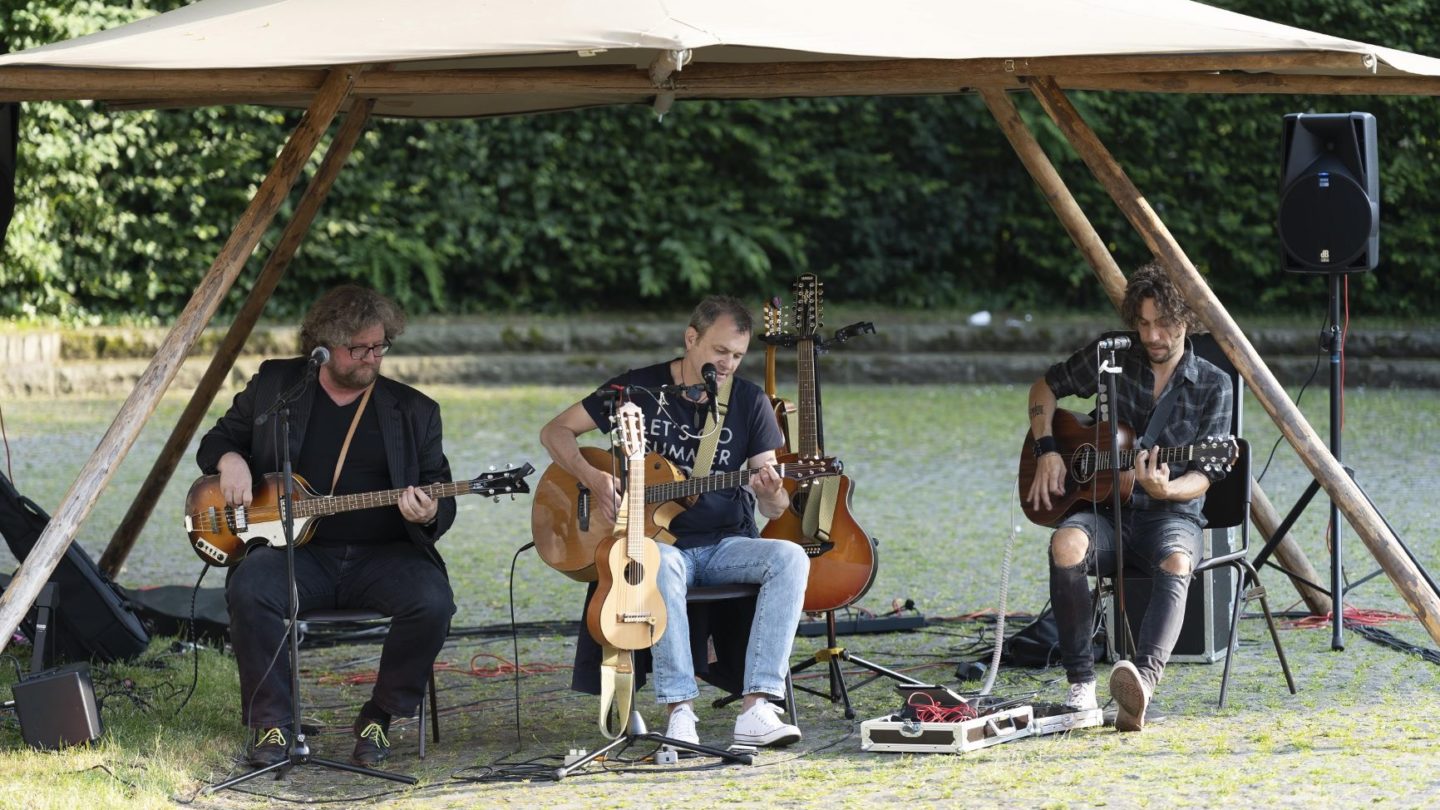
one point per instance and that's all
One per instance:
(299, 753)
(1111, 372)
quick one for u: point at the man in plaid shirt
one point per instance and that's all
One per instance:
(1161, 524)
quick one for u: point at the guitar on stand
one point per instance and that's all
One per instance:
(842, 554)
(785, 410)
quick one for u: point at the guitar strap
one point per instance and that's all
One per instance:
(617, 686)
(1158, 418)
(345, 448)
(710, 439)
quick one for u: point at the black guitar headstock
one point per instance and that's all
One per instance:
(503, 482)
(808, 290)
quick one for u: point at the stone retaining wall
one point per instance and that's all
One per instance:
(497, 351)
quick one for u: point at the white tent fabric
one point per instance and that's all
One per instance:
(292, 33)
(436, 34)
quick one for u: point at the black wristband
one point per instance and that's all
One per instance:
(1046, 444)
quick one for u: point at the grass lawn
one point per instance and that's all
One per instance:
(933, 468)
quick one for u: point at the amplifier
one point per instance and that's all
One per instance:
(1208, 608)
(57, 707)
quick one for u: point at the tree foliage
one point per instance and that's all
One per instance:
(900, 201)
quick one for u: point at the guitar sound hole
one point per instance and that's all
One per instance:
(634, 572)
(1082, 464)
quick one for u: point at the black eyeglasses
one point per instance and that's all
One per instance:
(361, 352)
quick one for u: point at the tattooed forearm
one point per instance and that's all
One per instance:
(1036, 410)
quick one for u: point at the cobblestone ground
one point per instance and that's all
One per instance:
(933, 468)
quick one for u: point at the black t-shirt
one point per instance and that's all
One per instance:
(673, 431)
(366, 470)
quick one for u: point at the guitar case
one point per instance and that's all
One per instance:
(94, 620)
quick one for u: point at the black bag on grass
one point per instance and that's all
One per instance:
(93, 620)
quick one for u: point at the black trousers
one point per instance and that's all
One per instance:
(398, 579)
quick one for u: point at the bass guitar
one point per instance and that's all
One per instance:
(1089, 476)
(842, 557)
(567, 530)
(626, 611)
(221, 533)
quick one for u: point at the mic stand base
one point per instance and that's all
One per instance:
(635, 732)
(302, 757)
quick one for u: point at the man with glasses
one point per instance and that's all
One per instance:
(352, 431)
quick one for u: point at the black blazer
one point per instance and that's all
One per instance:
(409, 424)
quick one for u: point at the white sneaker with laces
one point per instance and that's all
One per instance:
(1082, 696)
(761, 725)
(682, 725)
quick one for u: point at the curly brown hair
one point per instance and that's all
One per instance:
(349, 308)
(1151, 281)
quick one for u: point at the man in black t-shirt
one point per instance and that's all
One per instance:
(383, 558)
(716, 539)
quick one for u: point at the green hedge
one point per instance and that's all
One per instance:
(898, 201)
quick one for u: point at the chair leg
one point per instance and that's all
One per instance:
(1274, 634)
(1233, 645)
(434, 711)
(423, 698)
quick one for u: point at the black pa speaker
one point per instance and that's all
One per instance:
(1329, 193)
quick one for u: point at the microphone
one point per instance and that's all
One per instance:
(707, 373)
(1118, 344)
(319, 357)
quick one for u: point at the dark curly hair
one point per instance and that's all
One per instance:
(345, 310)
(1151, 281)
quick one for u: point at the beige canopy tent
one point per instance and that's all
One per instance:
(433, 58)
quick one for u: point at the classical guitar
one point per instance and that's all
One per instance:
(1089, 477)
(567, 529)
(842, 562)
(221, 533)
(626, 611)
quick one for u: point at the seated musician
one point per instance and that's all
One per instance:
(353, 431)
(1162, 521)
(717, 540)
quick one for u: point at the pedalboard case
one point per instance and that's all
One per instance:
(1004, 722)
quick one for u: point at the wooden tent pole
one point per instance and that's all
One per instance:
(219, 369)
(1367, 523)
(101, 466)
(1093, 248)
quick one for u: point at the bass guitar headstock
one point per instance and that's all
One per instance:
(502, 482)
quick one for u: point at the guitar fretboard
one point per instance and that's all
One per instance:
(1127, 457)
(805, 385)
(320, 507)
(718, 481)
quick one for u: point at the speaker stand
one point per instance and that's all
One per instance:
(1335, 342)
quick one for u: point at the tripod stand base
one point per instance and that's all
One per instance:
(300, 755)
(635, 732)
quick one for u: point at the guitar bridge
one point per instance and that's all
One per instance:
(635, 618)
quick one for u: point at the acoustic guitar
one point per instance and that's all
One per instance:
(221, 533)
(843, 563)
(567, 529)
(1089, 478)
(626, 611)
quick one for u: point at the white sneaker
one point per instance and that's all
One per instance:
(1082, 696)
(761, 725)
(682, 726)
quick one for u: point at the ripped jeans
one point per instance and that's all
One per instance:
(1150, 537)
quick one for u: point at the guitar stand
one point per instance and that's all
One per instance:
(635, 732)
(833, 655)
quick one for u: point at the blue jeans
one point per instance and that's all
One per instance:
(1150, 537)
(779, 567)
